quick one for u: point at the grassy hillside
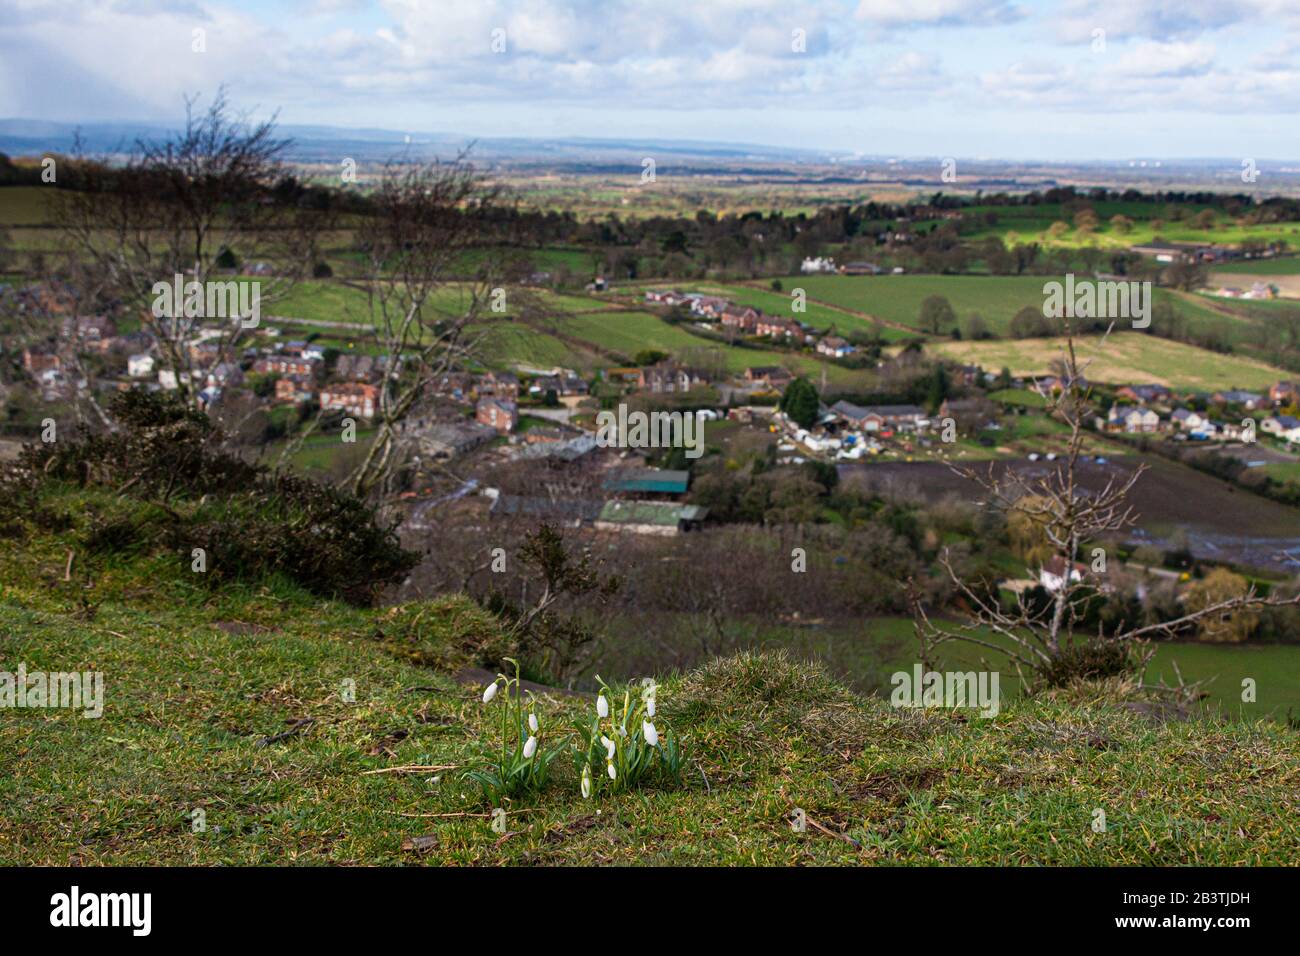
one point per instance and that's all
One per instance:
(231, 701)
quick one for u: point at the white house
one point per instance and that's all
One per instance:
(140, 366)
(835, 347)
(1188, 420)
(1132, 418)
(817, 264)
(1052, 575)
(1283, 426)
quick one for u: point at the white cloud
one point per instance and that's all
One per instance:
(912, 13)
(1167, 59)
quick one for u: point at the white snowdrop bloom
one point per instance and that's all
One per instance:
(650, 706)
(532, 722)
(602, 706)
(586, 782)
(651, 735)
(490, 691)
(609, 768)
(530, 748)
(609, 747)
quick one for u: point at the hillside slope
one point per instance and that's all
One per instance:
(203, 688)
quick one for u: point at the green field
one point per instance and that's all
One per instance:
(1278, 266)
(1125, 357)
(898, 298)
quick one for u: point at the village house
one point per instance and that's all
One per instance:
(37, 361)
(89, 328)
(1052, 384)
(204, 354)
(815, 264)
(282, 364)
(140, 366)
(356, 368)
(741, 317)
(498, 385)
(708, 306)
(358, 399)
(1247, 400)
(881, 418)
(499, 413)
(769, 377)
(777, 327)
(224, 374)
(564, 385)
(666, 297)
(1144, 394)
(1052, 575)
(970, 376)
(294, 388)
(1187, 420)
(1285, 427)
(668, 378)
(835, 347)
(1133, 419)
(1284, 393)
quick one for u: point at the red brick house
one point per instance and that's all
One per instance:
(37, 361)
(294, 388)
(358, 399)
(741, 317)
(500, 414)
(283, 365)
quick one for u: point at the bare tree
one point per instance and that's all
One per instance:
(1069, 517)
(427, 290)
(214, 197)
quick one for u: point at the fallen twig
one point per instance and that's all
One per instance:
(296, 727)
(412, 768)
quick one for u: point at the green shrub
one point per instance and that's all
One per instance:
(249, 522)
(1091, 660)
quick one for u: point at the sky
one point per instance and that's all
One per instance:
(1062, 80)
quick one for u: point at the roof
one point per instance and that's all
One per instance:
(650, 479)
(572, 509)
(849, 410)
(666, 513)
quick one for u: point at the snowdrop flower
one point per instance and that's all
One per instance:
(586, 782)
(602, 706)
(651, 735)
(490, 692)
(530, 748)
(609, 747)
(609, 768)
(532, 722)
(650, 706)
